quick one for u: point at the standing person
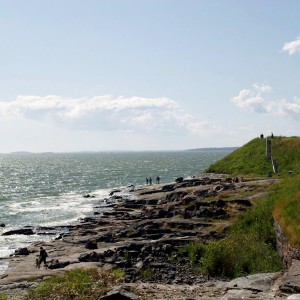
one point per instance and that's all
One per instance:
(157, 179)
(150, 180)
(147, 181)
(43, 256)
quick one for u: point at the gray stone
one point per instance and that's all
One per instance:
(291, 281)
(293, 297)
(119, 293)
(257, 282)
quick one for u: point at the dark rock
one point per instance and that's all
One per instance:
(244, 202)
(168, 187)
(219, 203)
(88, 196)
(55, 264)
(162, 213)
(107, 238)
(114, 191)
(201, 193)
(91, 257)
(2, 225)
(220, 213)
(152, 201)
(188, 199)
(179, 179)
(91, 245)
(167, 248)
(22, 251)
(204, 212)
(24, 231)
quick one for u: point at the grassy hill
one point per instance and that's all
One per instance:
(251, 158)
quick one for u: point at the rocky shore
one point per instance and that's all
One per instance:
(140, 229)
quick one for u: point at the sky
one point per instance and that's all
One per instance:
(103, 75)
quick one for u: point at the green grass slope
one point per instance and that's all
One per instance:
(251, 158)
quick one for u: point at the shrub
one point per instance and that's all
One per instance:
(193, 251)
(3, 296)
(248, 248)
(78, 284)
(233, 257)
(147, 273)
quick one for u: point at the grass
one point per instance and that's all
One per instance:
(77, 284)
(249, 247)
(147, 273)
(287, 210)
(251, 158)
(119, 272)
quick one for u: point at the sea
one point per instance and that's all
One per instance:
(48, 189)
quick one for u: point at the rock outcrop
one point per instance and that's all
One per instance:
(139, 231)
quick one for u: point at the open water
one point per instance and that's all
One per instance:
(47, 189)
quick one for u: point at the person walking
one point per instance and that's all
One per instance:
(42, 257)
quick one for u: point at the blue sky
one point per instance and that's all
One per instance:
(147, 75)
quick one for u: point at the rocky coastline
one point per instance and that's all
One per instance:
(139, 230)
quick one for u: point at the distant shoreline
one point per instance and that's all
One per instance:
(214, 149)
(123, 151)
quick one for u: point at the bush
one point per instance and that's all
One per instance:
(193, 251)
(147, 273)
(233, 257)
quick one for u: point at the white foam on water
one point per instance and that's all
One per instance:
(8, 244)
(47, 211)
(3, 267)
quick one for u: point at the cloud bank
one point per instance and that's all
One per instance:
(104, 113)
(292, 47)
(257, 100)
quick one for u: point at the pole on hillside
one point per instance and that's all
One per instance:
(269, 149)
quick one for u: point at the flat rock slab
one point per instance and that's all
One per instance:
(257, 282)
(291, 281)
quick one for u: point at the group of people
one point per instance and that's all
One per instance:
(149, 180)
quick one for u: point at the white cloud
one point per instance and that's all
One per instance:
(257, 100)
(252, 100)
(288, 108)
(292, 47)
(262, 88)
(104, 113)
